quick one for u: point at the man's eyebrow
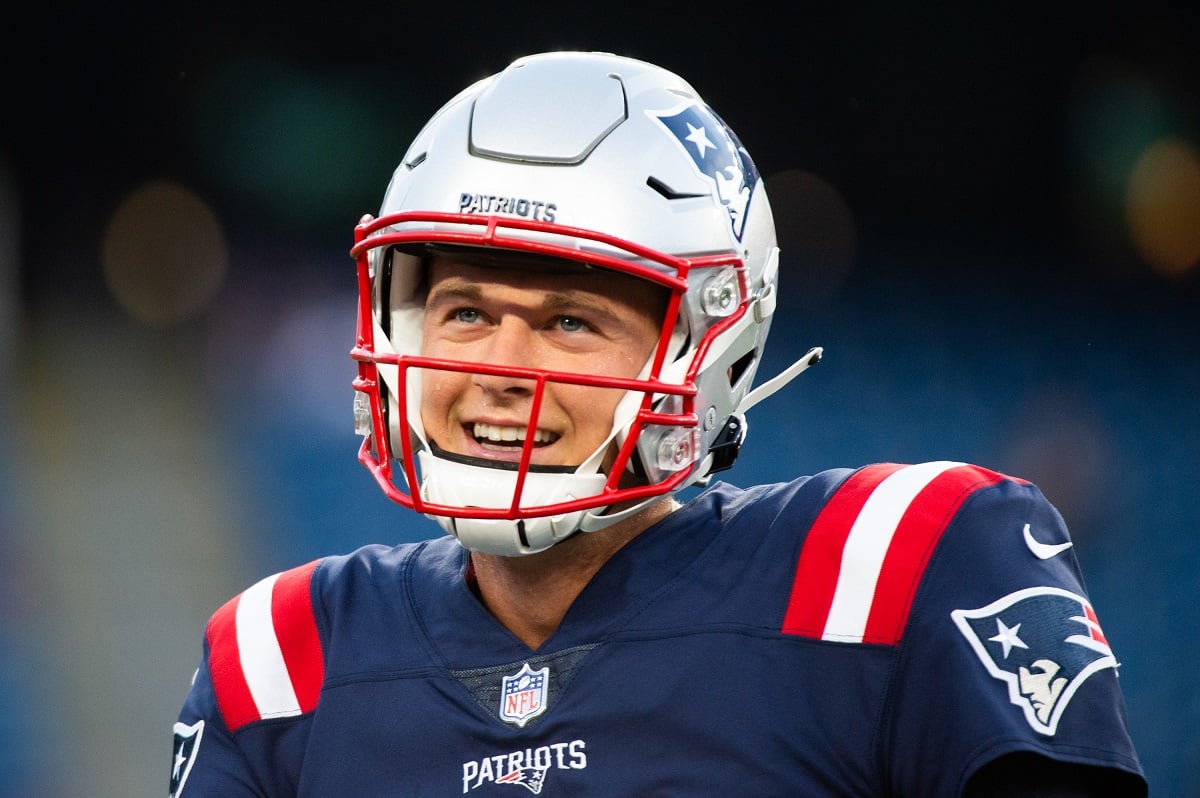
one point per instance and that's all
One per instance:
(559, 300)
(465, 291)
(458, 290)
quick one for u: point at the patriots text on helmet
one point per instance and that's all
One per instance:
(513, 206)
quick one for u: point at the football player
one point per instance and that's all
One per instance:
(563, 305)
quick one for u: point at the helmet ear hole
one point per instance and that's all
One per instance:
(384, 288)
(740, 367)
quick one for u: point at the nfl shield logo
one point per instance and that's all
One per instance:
(523, 695)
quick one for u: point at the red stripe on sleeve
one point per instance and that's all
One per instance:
(225, 666)
(912, 545)
(821, 557)
(296, 629)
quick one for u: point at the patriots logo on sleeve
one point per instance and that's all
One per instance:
(1043, 643)
(718, 154)
(187, 743)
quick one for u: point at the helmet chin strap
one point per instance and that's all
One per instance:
(593, 521)
(811, 358)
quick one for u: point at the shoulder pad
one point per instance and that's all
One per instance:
(866, 552)
(265, 654)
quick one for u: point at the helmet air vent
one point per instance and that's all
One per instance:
(667, 192)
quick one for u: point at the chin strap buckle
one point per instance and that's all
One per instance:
(725, 448)
(728, 443)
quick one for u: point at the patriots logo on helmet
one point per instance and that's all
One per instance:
(1043, 643)
(717, 153)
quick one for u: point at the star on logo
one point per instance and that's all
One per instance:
(718, 156)
(699, 137)
(1007, 637)
(180, 759)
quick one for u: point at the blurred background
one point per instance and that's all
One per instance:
(990, 219)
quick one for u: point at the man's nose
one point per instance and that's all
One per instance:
(512, 343)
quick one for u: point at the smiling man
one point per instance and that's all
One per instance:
(572, 321)
(563, 304)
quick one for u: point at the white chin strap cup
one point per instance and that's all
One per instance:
(453, 483)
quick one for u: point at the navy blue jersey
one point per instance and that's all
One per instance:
(885, 631)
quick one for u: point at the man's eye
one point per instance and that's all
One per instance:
(571, 324)
(466, 315)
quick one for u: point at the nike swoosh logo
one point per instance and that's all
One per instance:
(1044, 551)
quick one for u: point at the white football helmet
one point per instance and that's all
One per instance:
(591, 158)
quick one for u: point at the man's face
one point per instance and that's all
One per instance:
(589, 322)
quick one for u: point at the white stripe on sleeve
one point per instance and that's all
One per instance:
(262, 659)
(867, 544)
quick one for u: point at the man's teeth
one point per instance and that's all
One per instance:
(494, 434)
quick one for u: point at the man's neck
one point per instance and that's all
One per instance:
(530, 595)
